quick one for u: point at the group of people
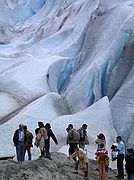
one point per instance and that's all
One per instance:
(76, 139)
(23, 140)
(119, 153)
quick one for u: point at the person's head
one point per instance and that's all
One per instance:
(21, 126)
(101, 145)
(130, 150)
(101, 136)
(118, 139)
(25, 128)
(37, 130)
(40, 124)
(70, 126)
(48, 126)
(84, 126)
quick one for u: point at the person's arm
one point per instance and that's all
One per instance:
(15, 137)
(97, 141)
(73, 155)
(53, 137)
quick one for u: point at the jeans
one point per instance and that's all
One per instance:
(20, 150)
(29, 153)
(120, 159)
(47, 147)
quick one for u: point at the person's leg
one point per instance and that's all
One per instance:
(47, 147)
(120, 159)
(76, 165)
(22, 151)
(71, 149)
(82, 145)
(29, 153)
(18, 151)
(86, 171)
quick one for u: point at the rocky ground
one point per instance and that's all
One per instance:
(60, 168)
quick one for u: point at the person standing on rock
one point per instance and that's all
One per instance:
(82, 162)
(28, 142)
(120, 157)
(19, 139)
(83, 136)
(73, 138)
(47, 141)
(41, 137)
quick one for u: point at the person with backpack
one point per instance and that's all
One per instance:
(120, 157)
(83, 136)
(100, 140)
(19, 139)
(82, 162)
(102, 160)
(28, 142)
(129, 158)
(47, 141)
(73, 138)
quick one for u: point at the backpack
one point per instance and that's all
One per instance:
(76, 135)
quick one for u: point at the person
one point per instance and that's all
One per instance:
(129, 158)
(19, 142)
(83, 136)
(120, 157)
(114, 152)
(82, 162)
(47, 141)
(71, 140)
(102, 157)
(100, 140)
(41, 137)
(28, 142)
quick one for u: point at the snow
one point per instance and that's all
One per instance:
(58, 59)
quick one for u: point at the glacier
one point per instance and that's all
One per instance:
(65, 61)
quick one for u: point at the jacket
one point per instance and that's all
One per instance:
(100, 141)
(29, 139)
(70, 139)
(16, 137)
(41, 137)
